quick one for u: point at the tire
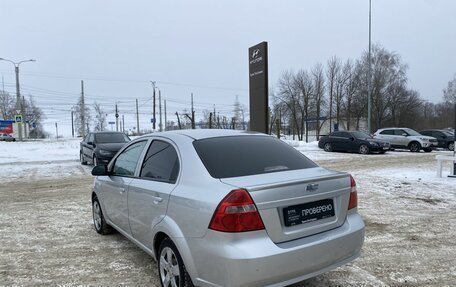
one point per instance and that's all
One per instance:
(328, 147)
(415, 147)
(81, 159)
(95, 160)
(382, 152)
(451, 146)
(427, 149)
(171, 268)
(99, 222)
(364, 149)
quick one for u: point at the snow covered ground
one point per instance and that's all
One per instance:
(47, 237)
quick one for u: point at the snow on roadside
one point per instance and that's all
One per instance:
(39, 159)
(40, 150)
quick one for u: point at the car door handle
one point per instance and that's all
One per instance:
(157, 199)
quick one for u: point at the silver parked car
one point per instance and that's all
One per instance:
(7, 137)
(228, 208)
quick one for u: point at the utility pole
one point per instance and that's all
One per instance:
(117, 119)
(82, 109)
(193, 115)
(123, 123)
(137, 117)
(24, 115)
(160, 109)
(19, 106)
(153, 104)
(166, 122)
(56, 131)
(72, 125)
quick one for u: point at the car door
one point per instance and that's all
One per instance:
(88, 146)
(335, 140)
(400, 137)
(441, 138)
(347, 141)
(387, 135)
(149, 193)
(114, 188)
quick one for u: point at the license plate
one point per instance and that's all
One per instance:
(308, 212)
(385, 148)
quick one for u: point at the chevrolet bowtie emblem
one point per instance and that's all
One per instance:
(312, 187)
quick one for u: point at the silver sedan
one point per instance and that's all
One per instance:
(228, 208)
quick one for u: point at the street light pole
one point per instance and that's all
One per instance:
(19, 105)
(369, 92)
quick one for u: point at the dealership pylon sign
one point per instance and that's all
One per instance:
(258, 84)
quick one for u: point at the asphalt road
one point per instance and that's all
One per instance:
(47, 237)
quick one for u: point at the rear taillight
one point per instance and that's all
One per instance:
(353, 202)
(236, 213)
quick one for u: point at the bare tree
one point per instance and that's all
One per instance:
(81, 117)
(332, 73)
(7, 105)
(449, 93)
(288, 94)
(304, 85)
(100, 118)
(318, 95)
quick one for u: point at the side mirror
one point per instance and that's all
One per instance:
(90, 143)
(352, 138)
(100, 170)
(404, 134)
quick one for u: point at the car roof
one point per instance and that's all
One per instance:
(107, 132)
(198, 134)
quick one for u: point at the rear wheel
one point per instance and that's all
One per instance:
(99, 221)
(328, 147)
(451, 146)
(364, 149)
(171, 267)
(415, 147)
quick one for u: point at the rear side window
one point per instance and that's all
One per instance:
(387, 132)
(426, 133)
(236, 156)
(399, 132)
(161, 162)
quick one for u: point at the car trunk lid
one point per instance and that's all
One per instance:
(298, 203)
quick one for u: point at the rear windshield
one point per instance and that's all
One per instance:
(248, 155)
(112, 138)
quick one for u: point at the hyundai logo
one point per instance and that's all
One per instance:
(255, 53)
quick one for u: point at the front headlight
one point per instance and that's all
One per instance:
(424, 139)
(104, 152)
(373, 143)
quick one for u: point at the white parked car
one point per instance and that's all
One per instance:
(406, 138)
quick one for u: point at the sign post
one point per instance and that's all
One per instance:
(258, 84)
(454, 149)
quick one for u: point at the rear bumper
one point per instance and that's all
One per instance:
(252, 259)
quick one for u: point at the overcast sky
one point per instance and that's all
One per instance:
(200, 47)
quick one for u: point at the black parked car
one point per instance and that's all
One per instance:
(355, 141)
(100, 147)
(444, 137)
